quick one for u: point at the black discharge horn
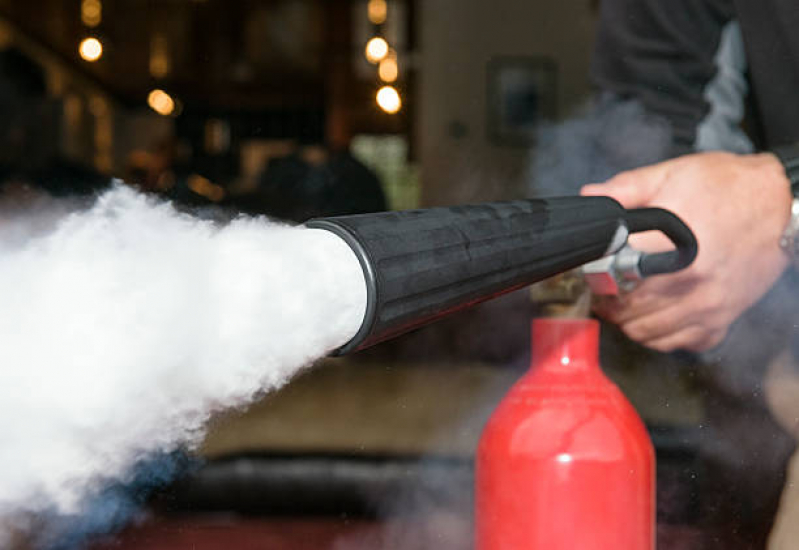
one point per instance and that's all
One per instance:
(420, 265)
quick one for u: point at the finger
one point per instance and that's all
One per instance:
(650, 241)
(628, 307)
(653, 295)
(690, 338)
(633, 189)
(710, 342)
(605, 303)
(659, 324)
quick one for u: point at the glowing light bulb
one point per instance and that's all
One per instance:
(376, 49)
(90, 49)
(389, 100)
(6, 36)
(161, 102)
(91, 12)
(159, 56)
(377, 9)
(388, 70)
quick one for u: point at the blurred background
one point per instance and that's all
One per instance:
(301, 108)
(158, 92)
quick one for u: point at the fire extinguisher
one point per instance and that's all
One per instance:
(565, 462)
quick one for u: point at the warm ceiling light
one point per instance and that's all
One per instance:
(388, 69)
(205, 187)
(159, 56)
(377, 9)
(91, 12)
(6, 38)
(376, 49)
(389, 100)
(161, 102)
(90, 49)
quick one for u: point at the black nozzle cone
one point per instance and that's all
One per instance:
(420, 265)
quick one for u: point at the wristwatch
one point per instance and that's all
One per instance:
(789, 157)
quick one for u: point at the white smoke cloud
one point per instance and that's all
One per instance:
(125, 325)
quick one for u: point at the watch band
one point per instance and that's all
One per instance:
(788, 155)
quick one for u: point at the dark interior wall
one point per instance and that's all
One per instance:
(460, 162)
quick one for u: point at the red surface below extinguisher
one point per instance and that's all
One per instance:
(565, 462)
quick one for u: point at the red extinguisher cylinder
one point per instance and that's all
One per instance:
(565, 462)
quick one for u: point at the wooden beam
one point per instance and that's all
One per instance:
(338, 73)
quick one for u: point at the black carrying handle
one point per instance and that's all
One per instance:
(657, 219)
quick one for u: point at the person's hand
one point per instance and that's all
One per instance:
(737, 206)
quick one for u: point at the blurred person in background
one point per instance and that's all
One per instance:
(709, 68)
(22, 86)
(29, 155)
(306, 183)
(162, 170)
(313, 182)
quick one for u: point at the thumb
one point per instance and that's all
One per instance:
(633, 189)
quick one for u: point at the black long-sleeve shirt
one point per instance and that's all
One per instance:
(699, 63)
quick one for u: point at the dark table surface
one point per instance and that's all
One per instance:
(437, 531)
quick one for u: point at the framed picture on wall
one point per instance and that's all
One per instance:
(522, 92)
